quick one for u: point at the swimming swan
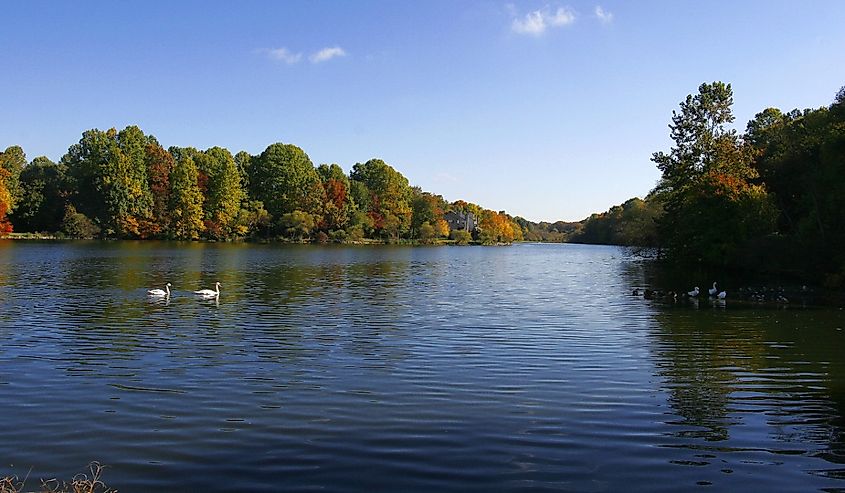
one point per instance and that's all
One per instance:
(693, 293)
(209, 292)
(160, 292)
(723, 295)
(713, 290)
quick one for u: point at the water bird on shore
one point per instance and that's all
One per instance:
(693, 293)
(723, 295)
(713, 290)
(209, 293)
(160, 292)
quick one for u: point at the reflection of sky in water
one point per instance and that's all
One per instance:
(404, 369)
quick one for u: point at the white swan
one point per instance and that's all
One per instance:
(723, 295)
(713, 290)
(160, 292)
(694, 292)
(208, 293)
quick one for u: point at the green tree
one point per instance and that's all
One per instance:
(42, 203)
(391, 226)
(799, 156)
(426, 233)
(461, 237)
(108, 173)
(244, 160)
(634, 223)
(360, 222)
(13, 161)
(131, 201)
(77, 225)
(332, 172)
(298, 224)
(701, 122)
(388, 198)
(285, 180)
(252, 219)
(706, 184)
(426, 208)
(85, 162)
(223, 192)
(186, 213)
(360, 195)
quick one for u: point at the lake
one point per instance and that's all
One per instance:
(522, 368)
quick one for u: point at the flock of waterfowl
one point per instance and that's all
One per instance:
(203, 293)
(652, 294)
(752, 295)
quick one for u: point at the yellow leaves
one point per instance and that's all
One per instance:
(441, 228)
(5, 202)
(497, 227)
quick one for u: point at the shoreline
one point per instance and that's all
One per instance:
(279, 240)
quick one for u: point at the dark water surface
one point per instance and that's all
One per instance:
(519, 368)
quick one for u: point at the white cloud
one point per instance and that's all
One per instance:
(532, 23)
(603, 16)
(443, 177)
(284, 55)
(537, 22)
(327, 54)
(563, 17)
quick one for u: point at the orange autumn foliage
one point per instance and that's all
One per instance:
(5, 203)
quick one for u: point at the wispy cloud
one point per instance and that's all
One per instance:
(537, 22)
(603, 16)
(284, 55)
(289, 57)
(562, 17)
(444, 177)
(327, 54)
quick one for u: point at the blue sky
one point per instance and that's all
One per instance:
(549, 110)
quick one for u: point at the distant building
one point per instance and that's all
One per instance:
(462, 221)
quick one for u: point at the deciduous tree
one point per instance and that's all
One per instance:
(159, 166)
(42, 203)
(13, 160)
(186, 215)
(223, 192)
(388, 196)
(285, 180)
(339, 204)
(706, 185)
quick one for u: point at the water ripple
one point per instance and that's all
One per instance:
(404, 369)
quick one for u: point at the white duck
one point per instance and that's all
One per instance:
(723, 295)
(208, 293)
(713, 290)
(160, 292)
(694, 292)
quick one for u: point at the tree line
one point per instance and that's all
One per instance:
(125, 184)
(769, 199)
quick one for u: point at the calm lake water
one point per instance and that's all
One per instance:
(520, 368)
